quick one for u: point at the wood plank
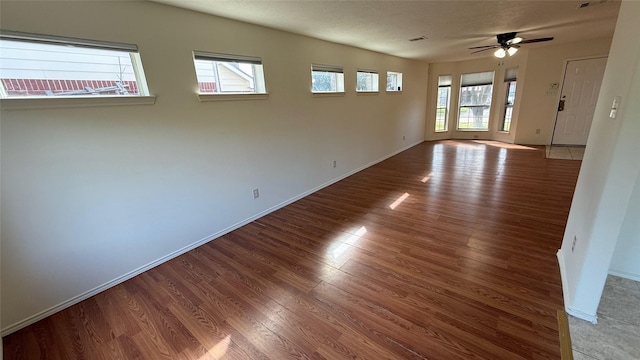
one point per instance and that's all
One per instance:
(463, 268)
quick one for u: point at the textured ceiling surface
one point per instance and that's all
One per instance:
(451, 27)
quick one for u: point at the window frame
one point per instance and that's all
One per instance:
(508, 107)
(375, 81)
(444, 82)
(475, 83)
(396, 88)
(257, 78)
(330, 69)
(78, 100)
(510, 79)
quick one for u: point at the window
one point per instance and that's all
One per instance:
(442, 106)
(36, 66)
(327, 79)
(510, 80)
(394, 81)
(367, 81)
(475, 101)
(228, 74)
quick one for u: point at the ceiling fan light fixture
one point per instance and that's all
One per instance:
(500, 53)
(516, 40)
(512, 50)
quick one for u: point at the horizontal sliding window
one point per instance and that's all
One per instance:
(327, 79)
(394, 81)
(475, 101)
(228, 74)
(367, 81)
(34, 66)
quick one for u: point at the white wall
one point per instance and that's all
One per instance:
(92, 195)
(607, 176)
(626, 257)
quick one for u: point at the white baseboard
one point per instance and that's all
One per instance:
(582, 315)
(567, 296)
(87, 294)
(626, 275)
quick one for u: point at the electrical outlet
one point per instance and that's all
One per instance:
(402, 137)
(538, 131)
(256, 193)
(573, 246)
(334, 163)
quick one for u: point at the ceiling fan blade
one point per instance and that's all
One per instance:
(484, 47)
(536, 40)
(481, 50)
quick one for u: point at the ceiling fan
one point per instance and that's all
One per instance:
(508, 43)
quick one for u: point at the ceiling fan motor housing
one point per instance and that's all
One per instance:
(503, 39)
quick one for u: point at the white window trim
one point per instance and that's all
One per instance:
(386, 84)
(444, 84)
(328, 93)
(219, 57)
(475, 82)
(63, 40)
(73, 102)
(232, 97)
(367, 92)
(330, 69)
(26, 103)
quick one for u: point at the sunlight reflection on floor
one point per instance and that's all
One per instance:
(504, 145)
(219, 349)
(398, 201)
(344, 243)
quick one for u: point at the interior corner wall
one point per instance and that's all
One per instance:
(626, 257)
(545, 66)
(608, 175)
(91, 196)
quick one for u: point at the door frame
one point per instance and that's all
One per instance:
(561, 87)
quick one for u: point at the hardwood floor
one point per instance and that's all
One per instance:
(445, 251)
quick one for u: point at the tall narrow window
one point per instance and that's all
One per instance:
(366, 81)
(442, 106)
(510, 77)
(228, 74)
(327, 79)
(33, 65)
(475, 101)
(394, 81)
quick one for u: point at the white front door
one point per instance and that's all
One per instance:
(580, 88)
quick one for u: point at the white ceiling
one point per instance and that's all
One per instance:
(451, 27)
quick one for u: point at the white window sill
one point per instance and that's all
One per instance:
(367, 93)
(440, 131)
(328, 94)
(393, 92)
(230, 97)
(472, 130)
(73, 102)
